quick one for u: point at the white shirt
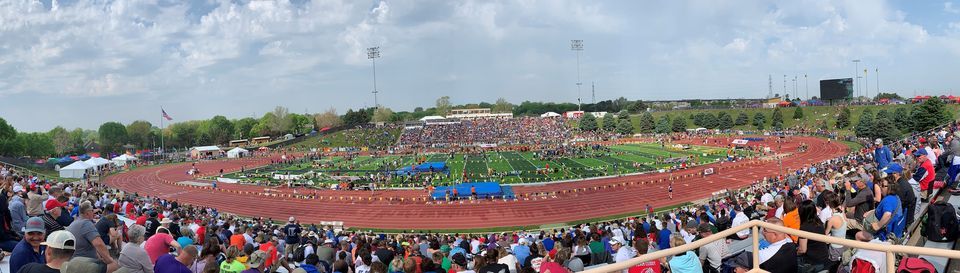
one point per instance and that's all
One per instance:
(879, 259)
(625, 253)
(931, 155)
(687, 236)
(825, 214)
(805, 191)
(779, 213)
(741, 219)
(766, 198)
(767, 253)
(510, 261)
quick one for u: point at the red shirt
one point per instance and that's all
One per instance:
(646, 267)
(142, 220)
(271, 253)
(201, 232)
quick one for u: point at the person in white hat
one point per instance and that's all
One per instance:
(622, 252)
(60, 247)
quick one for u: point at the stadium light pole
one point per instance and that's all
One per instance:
(806, 86)
(373, 53)
(866, 85)
(877, 72)
(856, 71)
(577, 46)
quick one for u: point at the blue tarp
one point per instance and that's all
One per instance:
(65, 159)
(426, 167)
(754, 138)
(484, 190)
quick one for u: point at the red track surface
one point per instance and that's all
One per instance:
(559, 203)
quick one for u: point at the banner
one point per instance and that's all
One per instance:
(708, 171)
(227, 180)
(740, 141)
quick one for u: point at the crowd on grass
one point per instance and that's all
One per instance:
(512, 131)
(870, 195)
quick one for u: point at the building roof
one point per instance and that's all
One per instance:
(206, 148)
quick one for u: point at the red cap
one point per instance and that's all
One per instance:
(923, 140)
(51, 204)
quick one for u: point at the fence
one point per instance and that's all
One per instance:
(755, 226)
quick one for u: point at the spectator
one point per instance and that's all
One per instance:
(507, 258)
(924, 175)
(132, 257)
(209, 254)
(861, 203)
(59, 249)
(522, 250)
(781, 255)
(621, 251)
(311, 264)
(908, 198)
(160, 243)
(814, 255)
(791, 217)
(30, 249)
(257, 262)
(231, 264)
(89, 245)
(739, 219)
(35, 199)
(180, 264)
(18, 213)
(460, 264)
(888, 221)
(836, 226)
(688, 262)
(881, 154)
(712, 253)
(878, 258)
(186, 237)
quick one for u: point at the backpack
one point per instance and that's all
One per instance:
(915, 265)
(941, 224)
(298, 254)
(862, 266)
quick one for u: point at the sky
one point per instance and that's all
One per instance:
(79, 63)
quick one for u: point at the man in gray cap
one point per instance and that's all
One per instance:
(59, 249)
(29, 250)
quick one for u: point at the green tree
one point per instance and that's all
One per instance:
(663, 125)
(679, 124)
(443, 106)
(330, 118)
(883, 114)
(724, 121)
(112, 136)
(647, 123)
(864, 126)
(742, 119)
(382, 114)
(798, 113)
(281, 122)
(61, 140)
(502, 106)
(843, 119)
(901, 118)
(930, 114)
(588, 123)
(636, 107)
(759, 120)
(301, 124)
(353, 118)
(8, 139)
(776, 121)
(624, 127)
(242, 127)
(884, 128)
(35, 145)
(76, 142)
(609, 123)
(220, 130)
(140, 133)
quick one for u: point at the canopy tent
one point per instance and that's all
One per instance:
(237, 152)
(75, 170)
(549, 115)
(122, 160)
(96, 162)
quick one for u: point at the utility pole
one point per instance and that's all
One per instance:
(806, 85)
(373, 53)
(856, 78)
(866, 85)
(769, 86)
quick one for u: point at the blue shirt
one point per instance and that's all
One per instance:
(663, 239)
(891, 204)
(548, 244)
(168, 264)
(522, 252)
(23, 254)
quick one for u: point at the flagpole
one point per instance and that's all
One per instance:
(161, 130)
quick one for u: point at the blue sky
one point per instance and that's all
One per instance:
(80, 63)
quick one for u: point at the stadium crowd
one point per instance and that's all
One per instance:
(513, 131)
(870, 195)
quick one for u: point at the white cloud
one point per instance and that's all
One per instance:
(948, 7)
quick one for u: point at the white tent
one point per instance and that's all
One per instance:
(121, 160)
(97, 162)
(237, 152)
(549, 115)
(75, 170)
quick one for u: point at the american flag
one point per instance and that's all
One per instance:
(165, 114)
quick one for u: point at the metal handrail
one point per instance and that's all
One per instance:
(755, 226)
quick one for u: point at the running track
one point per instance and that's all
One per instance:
(407, 209)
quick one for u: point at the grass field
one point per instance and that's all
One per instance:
(504, 167)
(367, 137)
